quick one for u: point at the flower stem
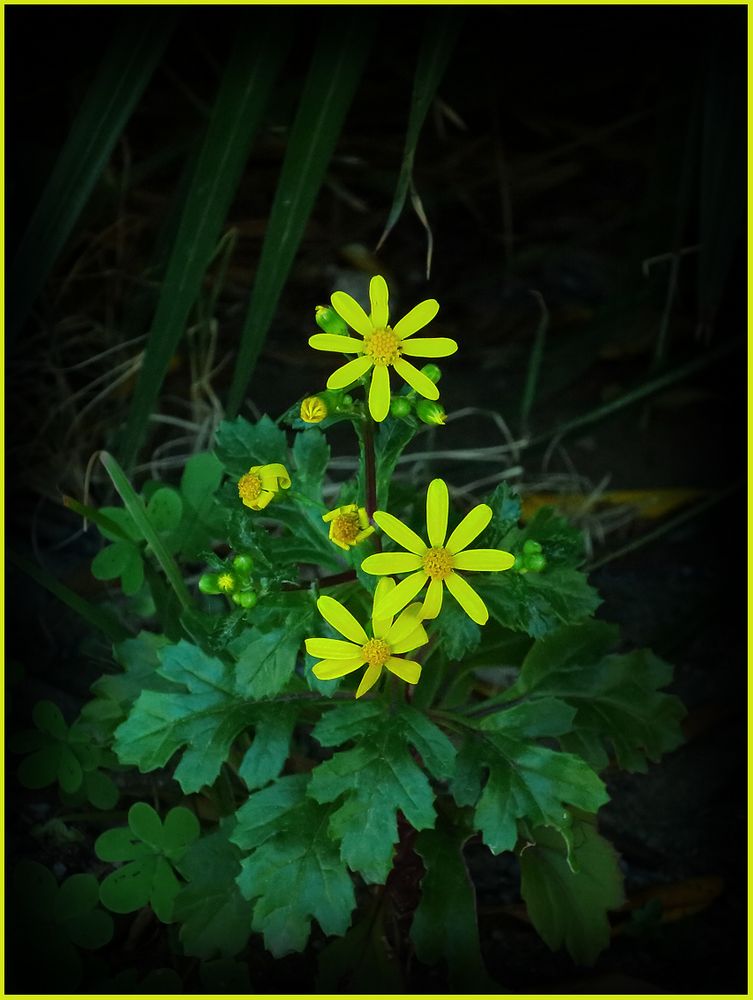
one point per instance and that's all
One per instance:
(369, 461)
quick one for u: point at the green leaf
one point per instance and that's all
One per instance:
(130, 887)
(101, 790)
(458, 634)
(444, 925)
(506, 513)
(215, 918)
(311, 457)
(377, 778)
(525, 781)
(181, 828)
(40, 769)
(538, 603)
(265, 758)
(164, 510)
(326, 95)
(239, 445)
(204, 715)
(48, 719)
(389, 444)
(561, 542)
(203, 519)
(361, 962)
(265, 661)
(294, 873)
(570, 907)
(146, 825)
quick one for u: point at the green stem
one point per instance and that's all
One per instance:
(370, 465)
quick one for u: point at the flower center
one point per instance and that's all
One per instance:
(376, 652)
(438, 563)
(346, 527)
(249, 486)
(383, 346)
(225, 582)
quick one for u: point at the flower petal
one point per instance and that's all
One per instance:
(400, 532)
(413, 640)
(327, 670)
(437, 504)
(379, 393)
(417, 318)
(487, 560)
(349, 372)
(467, 598)
(369, 679)
(433, 600)
(278, 470)
(341, 619)
(427, 347)
(469, 528)
(380, 298)
(384, 563)
(406, 670)
(381, 626)
(352, 313)
(416, 379)
(403, 594)
(405, 625)
(332, 649)
(334, 342)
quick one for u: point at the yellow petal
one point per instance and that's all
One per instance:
(406, 670)
(352, 313)
(437, 504)
(405, 625)
(488, 560)
(369, 679)
(383, 563)
(403, 594)
(380, 626)
(275, 469)
(428, 347)
(433, 600)
(334, 342)
(413, 640)
(341, 619)
(264, 499)
(416, 379)
(349, 372)
(469, 528)
(332, 649)
(417, 318)
(380, 297)
(467, 598)
(379, 393)
(400, 532)
(327, 670)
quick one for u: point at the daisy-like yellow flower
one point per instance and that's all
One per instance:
(261, 484)
(378, 650)
(438, 562)
(383, 345)
(348, 525)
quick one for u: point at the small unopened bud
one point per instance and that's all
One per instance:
(313, 410)
(208, 584)
(432, 372)
(530, 546)
(536, 562)
(329, 321)
(247, 599)
(400, 406)
(243, 563)
(430, 412)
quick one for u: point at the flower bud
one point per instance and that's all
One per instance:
(247, 599)
(400, 406)
(536, 562)
(226, 583)
(243, 563)
(430, 412)
(313, 410)
(432, 372)
(237, 599)
(208, 583)
(530, 546)
(329, 321)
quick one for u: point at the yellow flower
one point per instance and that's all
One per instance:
(226, 582)
(313, 410)
(348, 525)
(261, 484)
(383, 345)
(377, 650)
(438, 562)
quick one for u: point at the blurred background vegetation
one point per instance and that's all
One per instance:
(184, 185)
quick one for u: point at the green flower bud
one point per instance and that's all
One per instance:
(243, 563)
(400, 406)
(518, 564)
(536, 562)
(433, 372)
(430, 412)
(329, 321)
(530, 546)
(247, 599)
(208, 584)
(238, 599)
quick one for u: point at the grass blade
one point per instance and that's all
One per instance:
(331, 82)
(124, 73)
(242, 98)
(135, 507)
(436, 48)
(100, 618)
(534, 364)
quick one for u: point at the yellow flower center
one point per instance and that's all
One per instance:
(376, 652)
(249, 486)
(383, 346)
(346, 528)
(225, 582)
(438, 563)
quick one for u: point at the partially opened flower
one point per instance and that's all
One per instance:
(378, 650)
(348, 525)
(261, 484)
(438, 562)
(383, 346)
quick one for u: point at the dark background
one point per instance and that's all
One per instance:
(579, 142)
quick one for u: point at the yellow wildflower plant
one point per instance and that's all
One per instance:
(438, 562)
(379, 650)
(348, 525)
(261, 484)
(313, 410)
(383, 346)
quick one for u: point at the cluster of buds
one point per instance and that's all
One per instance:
(233, 580)
(324, 404)
(531, 559)
(427, 410)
